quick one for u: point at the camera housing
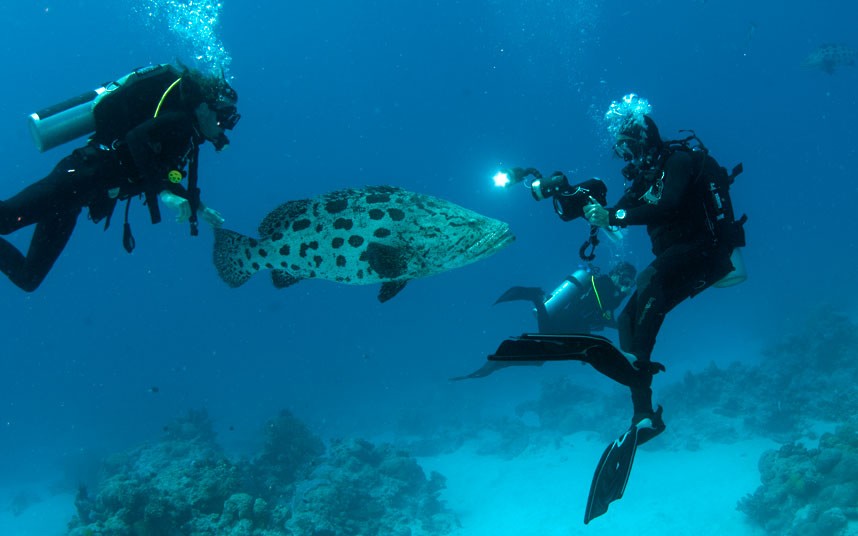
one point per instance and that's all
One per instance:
(569, 200)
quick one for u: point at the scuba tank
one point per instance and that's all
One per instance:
(571, 289)
(64, 122)
(75, 117)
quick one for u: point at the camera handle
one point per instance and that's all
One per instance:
(591, 242)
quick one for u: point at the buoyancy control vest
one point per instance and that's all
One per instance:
(712, 184)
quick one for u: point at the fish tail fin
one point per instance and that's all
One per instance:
(229, 258)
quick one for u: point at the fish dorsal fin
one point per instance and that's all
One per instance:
(283, 279)
(390, 289)
(388, 261)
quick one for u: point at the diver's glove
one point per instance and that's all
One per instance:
(182, 207)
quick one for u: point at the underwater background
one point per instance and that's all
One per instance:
(433, 97)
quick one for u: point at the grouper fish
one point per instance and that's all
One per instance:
(829, 57)
(377, 234)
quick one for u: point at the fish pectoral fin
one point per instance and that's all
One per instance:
(283, 279)
(387, 261)
(390, 289)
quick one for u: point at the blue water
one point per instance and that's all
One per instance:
(433, 97)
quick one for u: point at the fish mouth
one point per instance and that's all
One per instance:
(492, 242)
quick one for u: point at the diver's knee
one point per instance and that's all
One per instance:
(29, 283)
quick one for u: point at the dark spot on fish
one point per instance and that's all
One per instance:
(247, 254)
(277, 236)
(388, 261)
(319, 227)
(343, 223)
(360, 274)
(396, 214)
(376, 214)
(263, 253)
(295, 267)
(312, 273)
(252, 242)
(318, 260)
(316, 209)
(377, 198)
(363, 257)
(337, 242)
(255, 266)
(381, 232)
(269, 265)
(341, 261)
(336, 205)
(283, 264)
(300, 225)
(355, 241)
(305, 247)
(285, 249)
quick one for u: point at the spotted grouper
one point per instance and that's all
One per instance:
(378, 234)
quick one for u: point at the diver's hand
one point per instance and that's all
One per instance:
(596, 214)
(212, 217)
(182, 207)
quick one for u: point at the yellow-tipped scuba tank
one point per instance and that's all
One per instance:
(75, 117)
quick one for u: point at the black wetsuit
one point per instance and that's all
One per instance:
(687, 257)
(95, 176)
(588, 313)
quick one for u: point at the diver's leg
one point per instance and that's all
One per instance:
(53, 203)
(626, 323)
(49, 240)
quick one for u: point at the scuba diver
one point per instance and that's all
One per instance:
(146, 130)
(583, 303)
(682, 195)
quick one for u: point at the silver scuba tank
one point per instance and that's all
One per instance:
(75, 117)
(64, 122)
(571, 289)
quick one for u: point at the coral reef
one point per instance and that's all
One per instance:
(808, 492)
(805, 378)
(186, 485)
(368, 490)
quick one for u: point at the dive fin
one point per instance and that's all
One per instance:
(612, 474)
(597, 351)
(615, 465)
(531, 294)
(493, 366)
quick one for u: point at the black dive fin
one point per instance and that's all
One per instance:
(493, 366)
(390, 289)
(612, 474)
(615, 466)
(531, 294)
(594, 350)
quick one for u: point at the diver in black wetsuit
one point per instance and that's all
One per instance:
(583, 303)
(146, 140)
(667, 194)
